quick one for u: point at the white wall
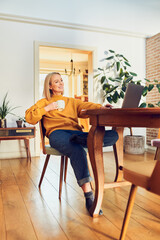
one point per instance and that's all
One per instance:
(17, 47)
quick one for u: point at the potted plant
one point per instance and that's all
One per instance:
(20, 122)
(114, 77)
(5, 109)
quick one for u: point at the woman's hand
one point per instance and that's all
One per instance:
(51, 106)
(107, 106)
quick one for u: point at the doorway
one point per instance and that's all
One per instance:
(74, 63)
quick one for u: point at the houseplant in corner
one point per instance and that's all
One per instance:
(5, 109)
(114, 77)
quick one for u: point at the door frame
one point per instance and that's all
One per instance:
(92, 64)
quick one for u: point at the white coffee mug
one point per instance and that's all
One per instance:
(61, 105)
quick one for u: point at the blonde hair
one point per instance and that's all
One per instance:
(47, 92)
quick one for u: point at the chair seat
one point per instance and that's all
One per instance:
(52, 151)
(155, 142)
(139, 172)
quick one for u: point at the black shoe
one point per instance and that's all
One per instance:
(100, 212)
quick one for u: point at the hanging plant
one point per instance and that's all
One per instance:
(114, 77)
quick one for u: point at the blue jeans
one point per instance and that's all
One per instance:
(60, 140)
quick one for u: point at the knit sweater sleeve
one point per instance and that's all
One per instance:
(86, 105)
(35, 113)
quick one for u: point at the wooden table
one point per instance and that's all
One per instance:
(17, 134)
(117, 118)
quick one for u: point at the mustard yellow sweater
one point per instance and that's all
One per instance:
(54, 120)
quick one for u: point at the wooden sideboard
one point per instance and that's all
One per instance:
(15, 133)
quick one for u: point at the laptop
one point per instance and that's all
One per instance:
(132, 96)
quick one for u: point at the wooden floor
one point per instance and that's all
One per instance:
(27, 214)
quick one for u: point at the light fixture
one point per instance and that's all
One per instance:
(72, 70)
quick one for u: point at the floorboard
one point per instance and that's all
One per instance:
(29, 214)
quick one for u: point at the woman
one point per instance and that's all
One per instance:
(63, 130)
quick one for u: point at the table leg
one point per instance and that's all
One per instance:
(95, 142)
(26, 142)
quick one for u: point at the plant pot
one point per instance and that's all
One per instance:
(134, 144)
(3, 123)
(19, 123)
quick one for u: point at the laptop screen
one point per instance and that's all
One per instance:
(132, 96)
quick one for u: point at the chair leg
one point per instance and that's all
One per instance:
(61, 176)
(157, 154)
(116, 161)
(128, 211)
(65, 170)
(44, 169)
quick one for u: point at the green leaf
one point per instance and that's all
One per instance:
(155, 80)
(126, 74)
(96, 75)
(138, 82)
(103, 79)
(115, 97)
(127, 64)
(133, 74)
(150, 105)
(109, 99)
(112, 89)
(103, 59)
(158, 87)
(104, 86)
(101, 69)
(109, 58)
(121, 74)
(129, 79)
(122, 94)
(143, 105)
(145, 90)
(158, 104)
(118, 66)
(150, 87)
(111, 51)
(114, 79)
(124, 88)
(5, 108)
(147, 79)
(125, 58)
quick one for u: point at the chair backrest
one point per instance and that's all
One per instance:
(154, 182)
(42, 134)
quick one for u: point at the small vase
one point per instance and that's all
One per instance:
(19, 123)
(3, 123)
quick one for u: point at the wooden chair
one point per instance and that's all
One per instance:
(47, 149)
(146, 175)
(156, 143)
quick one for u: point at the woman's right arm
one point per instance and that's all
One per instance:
(35, 113)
